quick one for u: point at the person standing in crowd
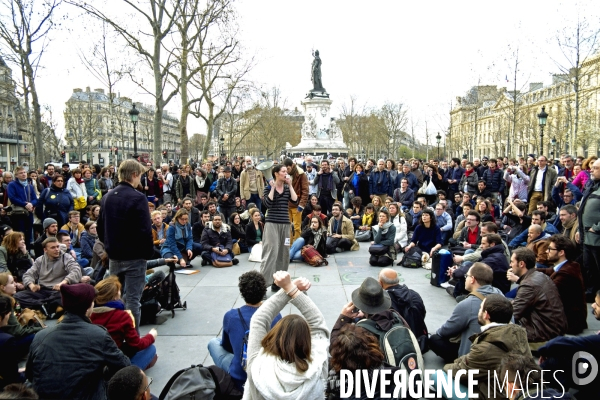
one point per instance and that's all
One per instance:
(589, 232)
(91, 187)
(125, 229)
(299, 182)
(168, 183)
(358, 185)
(252, 184)
(47, 179)
(518, 181)
(22, 196)
(185, 185)
(542, 179)
(66, 171)
(454, 175)
(494, 180)
(105, 181)
(469, 181)
(55, 202)
(225, 192)
(379, 182)
(327, 182)
(151, 186)
(276, 235)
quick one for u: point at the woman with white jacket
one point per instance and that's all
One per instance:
(76, 185)
(288, 361)
(399, 222)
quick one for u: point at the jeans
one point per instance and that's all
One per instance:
(295, 250)
(441, 375)
(143, 358)
(255, 198)
(132, 274)
(221, 357)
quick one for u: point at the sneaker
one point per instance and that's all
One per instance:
(446, 285)
(450, 290)
(235, 261)
(275, 288)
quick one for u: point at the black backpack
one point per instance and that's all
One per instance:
(412, 259)
(412, 314)
(150, 306)
(169, 293)
(200, 383)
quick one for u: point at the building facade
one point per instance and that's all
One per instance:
(100, 131)
(491, 121)
(13, 149)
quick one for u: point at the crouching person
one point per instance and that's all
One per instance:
(51, 271)
(226, 352)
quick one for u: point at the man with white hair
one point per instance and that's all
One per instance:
(252, 184)
(167, 179)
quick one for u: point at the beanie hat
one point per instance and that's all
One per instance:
(48, 221)
(77, 298)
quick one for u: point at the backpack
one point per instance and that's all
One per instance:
(412, 259)
(150, 306)
(312, 257)
(169, 293)
(399, 345)
(412, 315)
(244, 353)
(200, 383)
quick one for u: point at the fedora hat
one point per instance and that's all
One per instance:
(370, 297)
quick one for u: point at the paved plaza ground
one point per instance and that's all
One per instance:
(182, 340)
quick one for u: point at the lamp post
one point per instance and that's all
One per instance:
(542, 117)
(133, 113)
(553, 143)
(222, 142)
(438, 139)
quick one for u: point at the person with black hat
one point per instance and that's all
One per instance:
(77, 350)
(225, 192)
(66, 171)
(50, 226)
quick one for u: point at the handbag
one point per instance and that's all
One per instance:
(423, 188)
(97, 191)
(256, 253)
(312, 257)
(31, 317)
(18, 211)
(236, 249)
(79, 203)
(431, 190)
(220, 260)
(378, 250)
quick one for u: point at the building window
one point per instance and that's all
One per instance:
(100, 118)
(98, 107)
(100, 144)
(100, 132)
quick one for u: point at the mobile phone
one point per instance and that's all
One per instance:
(355, 310)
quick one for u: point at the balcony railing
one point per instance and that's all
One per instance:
(12, 136)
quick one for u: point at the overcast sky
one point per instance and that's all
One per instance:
(422, 54)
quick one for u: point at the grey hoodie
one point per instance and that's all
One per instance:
(463, 320)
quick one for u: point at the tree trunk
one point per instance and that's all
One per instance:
(209, 131)
(185, 111)
(159, 102)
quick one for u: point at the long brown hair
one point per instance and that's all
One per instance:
(3, 282)
(11, 242)
(108, 289)
(354, 349)
(290, 339)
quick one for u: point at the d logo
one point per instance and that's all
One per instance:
(584, 368)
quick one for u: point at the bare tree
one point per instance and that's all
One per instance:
(196, 145)
(394, 119)
(160, 16)
(52, 143)
(81, 124)
(25, 32)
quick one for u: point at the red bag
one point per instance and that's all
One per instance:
(312, 257)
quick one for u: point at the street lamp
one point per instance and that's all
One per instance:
(222, 142)
(542, 117)
(438, 139)
(133, 113)
(553, 143)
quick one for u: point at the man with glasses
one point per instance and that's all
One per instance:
(444, 222)
(541, 183)
(564, 192)
(129, 383)
(567, 170)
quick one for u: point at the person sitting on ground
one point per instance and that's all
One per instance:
(460, 222)
(408, 303)
(537, 305)
(254, 229)
(444, 221)
(9, 367)
(315, 235)
(537, 218)
(485, 209)
(65, 241)
(74, 228)
(290, 360)
(159, 231)
(129, 383)
(316, 212)
(413, 216)
(212, 209)
(109, 312)
(216, 239)
(22, 333)
(75, 374)
(469, 237)
(193, 212)
(369, 219)
(179, 239)
(537, 241)
(497, 338)
(238, 232)
(227, 351)
(427, 236)
(14, 256)
(199, 226)
(384, 235)
(340, 233)
(463, 320)
(482, 190)
(517, 218)
(357, 212)
(566, 275)
(404, 195)
(88, 238)
(397, 218)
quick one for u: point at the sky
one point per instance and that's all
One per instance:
(421, 54)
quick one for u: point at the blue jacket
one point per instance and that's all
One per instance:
(521, 239)
(444, 222)
(494, 180)
(455, 174)
(21, 195)
(413, 182)
(379, 182)
(87, 246)
(494, 257)
(177, 239)
(56, 204)
(577, 195)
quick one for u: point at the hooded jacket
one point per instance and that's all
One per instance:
(488, 348)
(120, 325)
(463, 320)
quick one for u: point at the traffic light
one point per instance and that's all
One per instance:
(164, 153)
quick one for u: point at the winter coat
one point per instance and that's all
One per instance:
(347, 231)
(300, 185)
(409, 304)
(105, 185)
(87, 245)
(251, 233)
(179, 238)
(77, 189)
(55, 203)
(489, 347)
(494, 257)
(211, 238)
(405, 199)
(413, 182)
(463, 320)
(21, 195)
(569, 282)
(119, 324)
(245, 184)
(494, 180)
(56, 373)
(539, 247)
(471, 181)
(228, 187)
(538, 307)
(361, 189)
(90, 187)
(335, 181)
(589, 238)
(379, 183)
(549, 181)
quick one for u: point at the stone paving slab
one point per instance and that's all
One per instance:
(209, 294)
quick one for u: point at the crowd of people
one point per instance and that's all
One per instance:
(526, 225)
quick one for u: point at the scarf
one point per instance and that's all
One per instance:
(367, 219)
(200, 181)
(78, 180)
(385, 227)
(56, 188)
(318, 234)
(116, 304)
(467, 172)
(570, 225)
(355, 179)
(86, 179)
(23, 183)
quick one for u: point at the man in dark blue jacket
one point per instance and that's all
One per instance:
(379, 182)
(125, 228)
(413, 182)
(494, 180)
(455, 172)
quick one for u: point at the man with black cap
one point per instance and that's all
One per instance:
(66, 171)
(50, 230)
(225, 192)
(67, 361)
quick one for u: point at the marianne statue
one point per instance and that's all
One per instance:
(316, 73)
